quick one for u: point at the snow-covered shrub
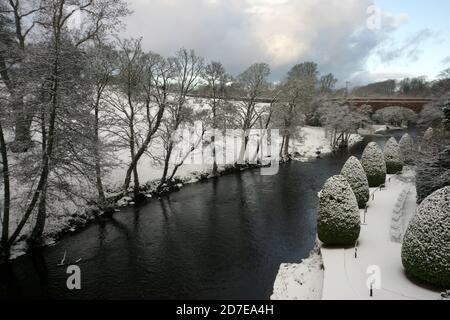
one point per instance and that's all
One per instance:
(430, 116)
(407, 149)
(392, 156)
(433, 164)
(338, 221)
(426, 245)
(356, 177)
(372, 161)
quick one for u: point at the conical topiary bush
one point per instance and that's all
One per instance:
(356, 177)
(426, 245)
(372, 161)
(392, 157)
(338, 221)
(407, 149)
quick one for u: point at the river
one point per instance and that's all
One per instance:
(220, 239)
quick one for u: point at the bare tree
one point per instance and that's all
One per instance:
(157, 74)
(102, 62)
(217, 79)
(22, 18)
(5, 39)
(6, 184)
(252, 84)
(188, 71)
(59, 64)
(340, 121)
(327, 83)
(138, 103)
(298, 92)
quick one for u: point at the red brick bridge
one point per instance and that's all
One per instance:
(415, 104)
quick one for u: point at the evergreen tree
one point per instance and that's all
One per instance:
(392, 156)
(426, 245)
(338, 221)
(374, 165)
(356, 177)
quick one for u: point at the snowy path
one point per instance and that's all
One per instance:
(345, 277)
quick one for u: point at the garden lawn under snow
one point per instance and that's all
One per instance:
(346, 277)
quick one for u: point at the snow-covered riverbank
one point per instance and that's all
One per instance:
(314, 141)
(378, 250)
(302, 281)
(68, 216)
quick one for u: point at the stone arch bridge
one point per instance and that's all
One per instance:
(415, 104)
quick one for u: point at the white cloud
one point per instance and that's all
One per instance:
(332, 33)
(410, 49)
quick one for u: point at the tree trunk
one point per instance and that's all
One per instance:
(132, 168)
(282, 146)
(245, 139)
(213, 138)
(136, 184)
(214, 169)
(166, 164)
(178, 165)
(133, 157)
(38, 230)
(22, 127)
(286, 144)
(48, 147)
(98, 170)
(6, 195)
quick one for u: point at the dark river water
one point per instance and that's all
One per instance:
(220, 239)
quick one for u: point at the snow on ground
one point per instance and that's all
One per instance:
(301, 281)
(346, 277)
(63, 213)
(314, 142)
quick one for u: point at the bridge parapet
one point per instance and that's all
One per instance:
(415, 104)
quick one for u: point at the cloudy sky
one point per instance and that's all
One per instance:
(359, 41)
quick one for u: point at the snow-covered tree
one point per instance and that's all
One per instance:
(341, 121)
(356, 177)
(372, 161)
(396, 116)
(298, 90)
(433, 163)
(338, 221)
(407, 149)
(216, 78)
(252, 83)
(57, 89)
(426, 245)
(430, 116)
(392, 156)
(188, 69)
